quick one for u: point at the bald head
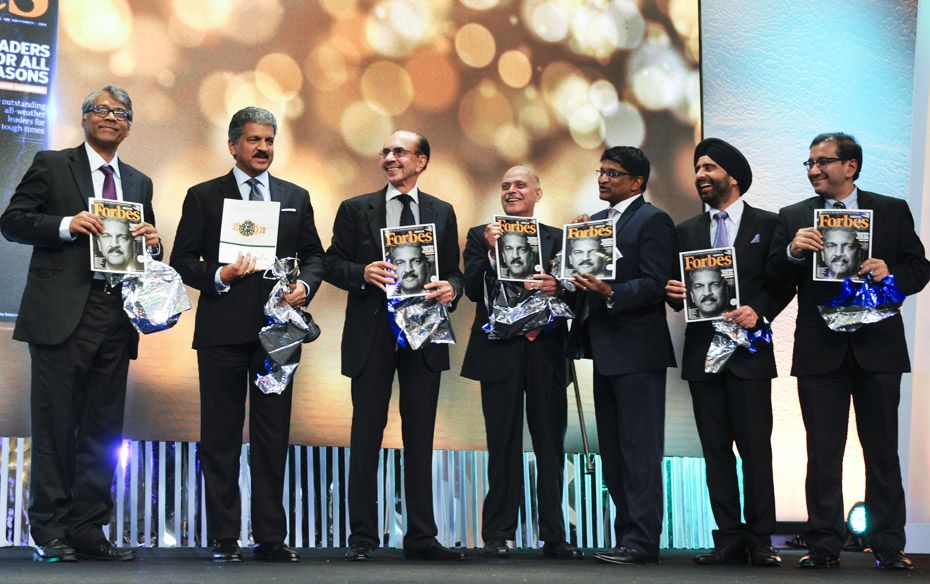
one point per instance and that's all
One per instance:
(520, 191)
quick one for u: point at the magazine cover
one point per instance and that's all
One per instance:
(588, 248)
(847, 242)
(518, 249)
(412, 249)
(116, 251)
(710, 278)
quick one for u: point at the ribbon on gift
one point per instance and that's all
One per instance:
(858, 304)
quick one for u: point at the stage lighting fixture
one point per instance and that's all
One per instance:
(857, 521)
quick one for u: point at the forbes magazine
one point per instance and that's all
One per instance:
(710, 281)
(115, 250)
(412, 249)
(847, 242)
(588, 248)
(518, 249)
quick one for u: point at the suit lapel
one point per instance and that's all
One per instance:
(628, 213)
(547, 241)
(703, 234)
(275, 189)
(747, 228)
(376, 216)
(80, 170)
(130, 182)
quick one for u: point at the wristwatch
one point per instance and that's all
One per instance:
(609, 301)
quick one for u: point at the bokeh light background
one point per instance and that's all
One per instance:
(491, 83)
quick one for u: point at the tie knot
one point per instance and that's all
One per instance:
(612, 214)
(252, 182)
(721, 216)
(405, 199)
(839, 205)
(107, 169)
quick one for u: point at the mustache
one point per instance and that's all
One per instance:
(708, 298)
(261, 154)
(114, 249)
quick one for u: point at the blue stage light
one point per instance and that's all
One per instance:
(858, 519)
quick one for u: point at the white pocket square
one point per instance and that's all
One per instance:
(295, 210)
(755, 239)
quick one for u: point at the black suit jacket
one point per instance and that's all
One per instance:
(631, 337)
(878, 347)
(356, 243)
(237, 316)
(57, 185)
(753, 244)
(487, 360)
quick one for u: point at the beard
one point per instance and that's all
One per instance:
(719, 190)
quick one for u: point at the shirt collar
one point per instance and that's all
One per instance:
(96, 161)
(241, 177)
(851, 202)
(734, 211)
(392, 193)
(624, 204)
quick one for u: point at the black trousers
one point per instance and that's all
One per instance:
(532, 372)
(371, 395)
(227, 375)
(77, 399)
(727, 410)
(825, 409)
(630, 413)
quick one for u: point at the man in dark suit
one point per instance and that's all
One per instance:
(534, 363)
(621, 325)
(865, 364)
(734, 405)
(230, 314)
(80, 340)
(370, 354)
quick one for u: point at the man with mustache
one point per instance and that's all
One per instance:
(842, 253)
(865, 365)
(587, 256)
(735, 404)
(708, 292)
(80, 340)
(230, 314)
(621, 326)
(117, 247)
(371, 355)
(533, 365)
(517, 255)
(412, 269)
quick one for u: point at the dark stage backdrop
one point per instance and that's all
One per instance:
(491, 83)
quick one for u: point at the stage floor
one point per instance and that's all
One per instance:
(327, 565)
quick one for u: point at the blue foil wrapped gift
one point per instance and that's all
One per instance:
(861, 304)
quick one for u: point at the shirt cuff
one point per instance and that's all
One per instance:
(64, 234)
(221, 288)
(791, 258)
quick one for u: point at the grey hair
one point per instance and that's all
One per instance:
(250, 114)
(117, 92)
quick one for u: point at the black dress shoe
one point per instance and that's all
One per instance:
(765, 557)
(626, 555)
(723, 555)
(495, 548)
(561, 551)
(359, 552)
(226, 551)
(892, 560)
(818, 559)
(105, 551)
(433, 551)
(56, 550)
(275, 552)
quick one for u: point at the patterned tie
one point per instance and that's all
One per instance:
(721, 239)
(613, 214)
(254, 194)
(109, 185)
(839, 205)
(406, 215)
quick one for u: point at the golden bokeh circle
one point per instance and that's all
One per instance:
(475, 45)
(435, 80)
(515, 68)
(480, 4)
(387, 88)
(203, 15)
(363, 129)
(97, 25)
(512, 143)
(587, 127)
(547, 19)
(339, 8)
(246, 28)
(483, 110)
(325, 68)
(278, 76)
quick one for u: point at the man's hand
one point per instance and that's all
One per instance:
(548, 284)
(85, 223)
(583, 218)
(493, 232)
(243, 266)
(297, 297)
(380, 274)
(807, 239)
(441, 291)
(878, 268)
(744, 316)
(148, 230)
(675, 290)
(590, 283)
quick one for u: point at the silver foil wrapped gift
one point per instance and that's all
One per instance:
(417, 320)
(555, 270)
(728, 337)
(514, 311)
(860, 304)
(285, 332)
(154, 300)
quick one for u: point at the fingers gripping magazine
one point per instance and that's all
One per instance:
(115, 250)
(518, 249)
(710, 279)
(847, 242)
(412, 249)
(589, 249)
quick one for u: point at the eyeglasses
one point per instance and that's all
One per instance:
(102, 111)
(611, 173)
(397, 152)
(821, 162)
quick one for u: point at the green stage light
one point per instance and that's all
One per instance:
(858, 519)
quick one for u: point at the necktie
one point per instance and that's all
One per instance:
(612, 214)
(721, 238)
(406, 215)
(254, 194)
(109, 185)
(839, 205)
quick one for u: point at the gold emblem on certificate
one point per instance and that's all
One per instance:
(248, 228)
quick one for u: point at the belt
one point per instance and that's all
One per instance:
(105, 287)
